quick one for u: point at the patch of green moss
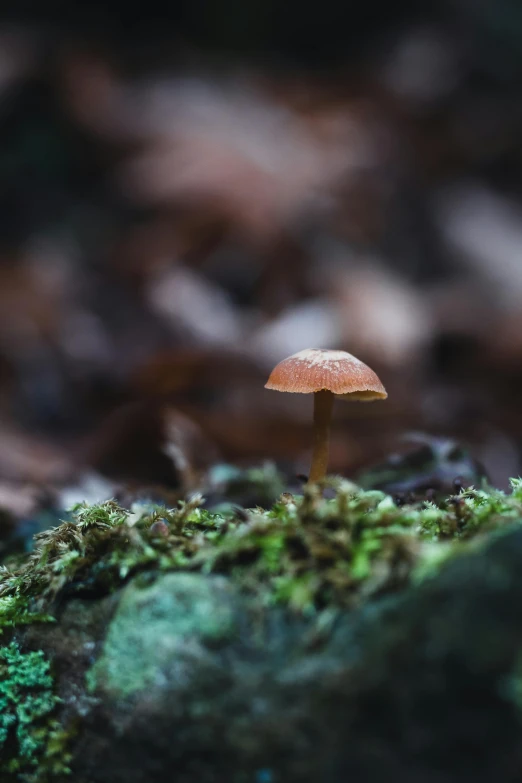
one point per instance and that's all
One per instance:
(306, 551)
(32, 743)
(15, 611)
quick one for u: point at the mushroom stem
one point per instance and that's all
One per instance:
(323, 403)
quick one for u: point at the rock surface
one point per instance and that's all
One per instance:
(191, 680)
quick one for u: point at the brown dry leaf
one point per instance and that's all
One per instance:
(483, 231)
(310, 324)
(19, 500)
(183, 297)
(224, 146)
(26, 458)
(382, 315)
(229, 149)
(149, 444)
(191, 452)
(94, 96)
(29, 309)
(184, 371)
(255, 437)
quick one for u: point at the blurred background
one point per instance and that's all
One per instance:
(190, 194)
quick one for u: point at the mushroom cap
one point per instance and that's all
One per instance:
(316, 369)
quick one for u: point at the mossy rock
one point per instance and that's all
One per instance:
(201, 669)
(193, 680)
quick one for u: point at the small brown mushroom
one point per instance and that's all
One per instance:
(326, 374)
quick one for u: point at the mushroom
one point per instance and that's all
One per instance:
(326, 374)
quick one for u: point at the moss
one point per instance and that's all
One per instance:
(32, 743)
(97, 550)
(306, 551)
(15, 611)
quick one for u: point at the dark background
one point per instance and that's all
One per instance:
(190, 193)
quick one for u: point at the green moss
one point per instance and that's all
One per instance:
(100, 547)
(15, 611)
(32, 743)
(306, 551)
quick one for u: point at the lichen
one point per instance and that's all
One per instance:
(32, 742)
(174, 608)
